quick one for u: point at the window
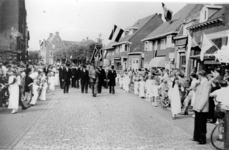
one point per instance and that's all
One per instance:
(53, 46)
(136, 61)
(162, 44)
(126, 47)
(146, 46)
(155, 45)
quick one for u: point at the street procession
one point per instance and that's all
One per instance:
(148, 76)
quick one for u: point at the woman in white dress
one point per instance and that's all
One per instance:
(175, 98)
(154, 89)
(148, 88)
(127, 83)
(142, 88)
(56, 76)
(13, 93)
(35, 93)
(43, 90)
(52, 82)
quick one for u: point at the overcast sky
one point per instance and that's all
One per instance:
(75, 19)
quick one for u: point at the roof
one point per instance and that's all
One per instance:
(178, 19)
(139, 24)
(139, 48)
(216, 16)
(109, 46)
(68, 43)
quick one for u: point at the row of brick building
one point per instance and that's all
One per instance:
(150, 42)
(13, 14)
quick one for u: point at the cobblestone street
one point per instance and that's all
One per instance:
(108, 122)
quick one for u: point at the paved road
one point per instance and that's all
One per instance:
(108, 122)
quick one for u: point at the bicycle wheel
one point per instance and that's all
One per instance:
(217, 136)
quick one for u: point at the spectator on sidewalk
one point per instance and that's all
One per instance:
(201, 108)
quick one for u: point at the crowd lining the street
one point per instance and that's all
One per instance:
(206, 94)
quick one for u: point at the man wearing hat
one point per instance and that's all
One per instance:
(67, 74)
(84, 79)
(201, 108)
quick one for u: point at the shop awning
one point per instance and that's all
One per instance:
(157, 62)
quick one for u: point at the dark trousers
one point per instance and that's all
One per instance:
(74, 82)
(84, 86)
(66, 88)
(20, 101)
(111, 89)
(99, 88)
(211, 113)
(61, 83)
(200, 127)
(77, 84)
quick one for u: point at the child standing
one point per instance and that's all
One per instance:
(149, 83)
(35, 94)
(155, 89)
(52, 82)
(142, 88)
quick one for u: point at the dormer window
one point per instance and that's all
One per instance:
(204, 14)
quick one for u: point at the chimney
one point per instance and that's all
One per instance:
(57, 33)
(50, 34)
(160, 15)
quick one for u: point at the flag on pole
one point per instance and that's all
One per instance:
(206, 45)
(167, 13)
(105, 53)
(116, 34)
(97, 54)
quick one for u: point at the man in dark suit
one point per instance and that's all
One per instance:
(46, 70)
(111, 79)
(84, 75)
(61, 76)
(102, 77)
(74, 76)
(67, 74)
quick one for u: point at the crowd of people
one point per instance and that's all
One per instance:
(25, 84)
(202, 92)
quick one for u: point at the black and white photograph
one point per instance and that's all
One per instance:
(114, 75)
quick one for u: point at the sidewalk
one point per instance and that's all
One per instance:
(14, 126)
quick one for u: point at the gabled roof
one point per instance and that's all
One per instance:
(139, 24)
(139, 48)
(217, 16)
(174, 25)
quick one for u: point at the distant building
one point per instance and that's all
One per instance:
(54, 42)
(13, 15)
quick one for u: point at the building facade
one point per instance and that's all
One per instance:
(13, 15)
(214, 23)
(128, 52)
(160, 43)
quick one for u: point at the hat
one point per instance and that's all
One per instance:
(202, 73)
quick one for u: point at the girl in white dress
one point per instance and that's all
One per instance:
(142, 88)
(52, 82)
(136, 84)
(175, 98)
(148, 88)
(127, 83)
(56, 77)
(121, 81)
(13, 93)
(35, 93)
(155, 88)
(43, 90)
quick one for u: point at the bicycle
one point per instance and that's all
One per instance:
(217, 136)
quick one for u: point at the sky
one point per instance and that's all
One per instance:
(76, 20)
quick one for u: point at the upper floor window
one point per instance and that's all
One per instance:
(146, 45)
(126, 47)
(162, 44)
(204, 14)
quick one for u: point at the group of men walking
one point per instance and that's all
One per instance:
(85, 77)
